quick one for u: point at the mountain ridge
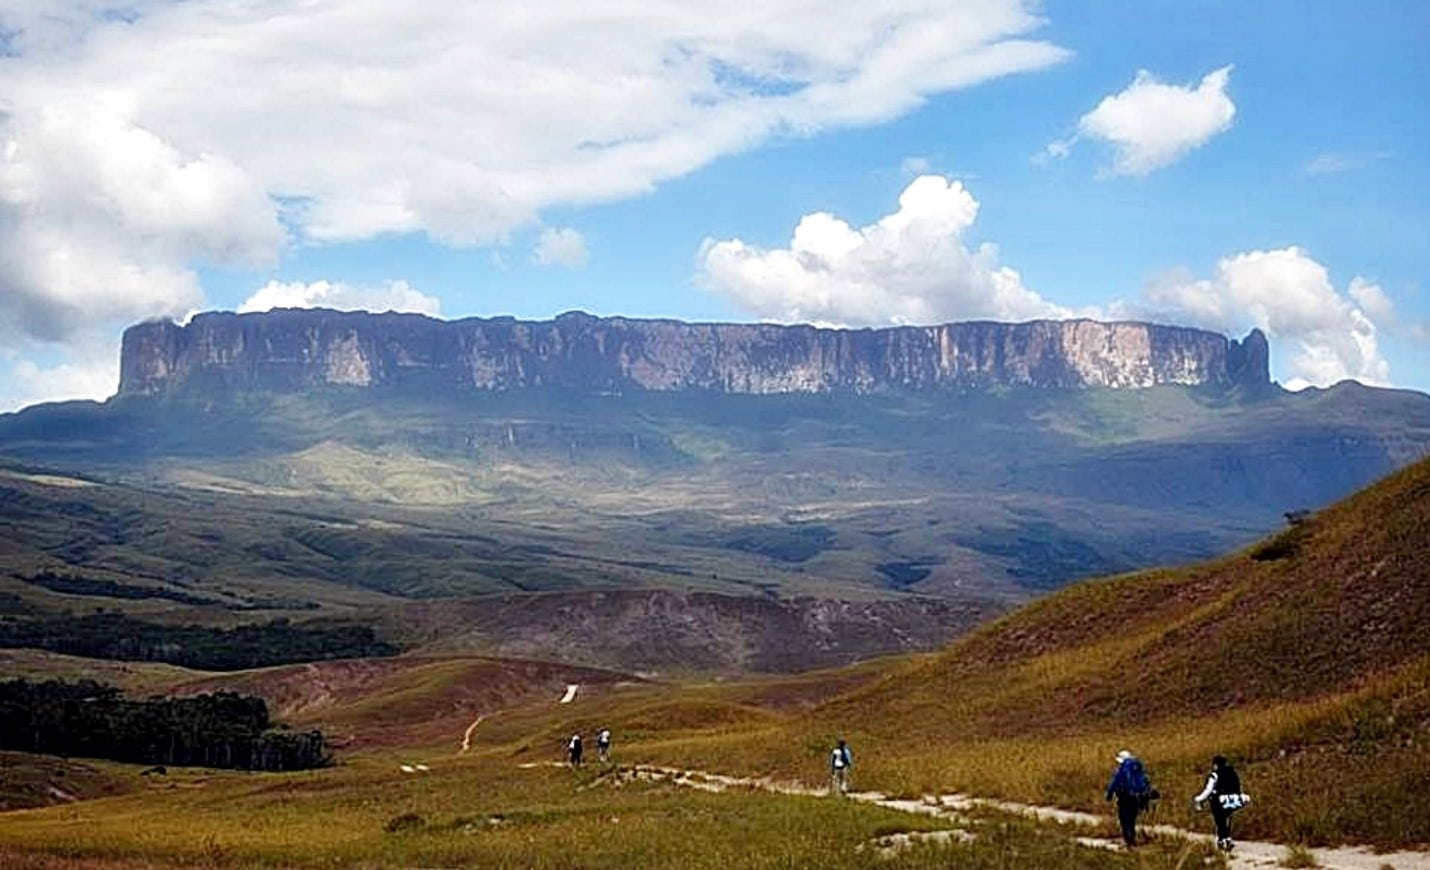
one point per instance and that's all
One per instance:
(298, 348)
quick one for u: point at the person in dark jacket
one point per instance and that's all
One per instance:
(1223, 796)
(1129, 787)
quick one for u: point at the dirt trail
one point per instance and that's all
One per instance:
(1249, 855)
(467, 735)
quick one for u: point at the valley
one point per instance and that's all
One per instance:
(1323, 704)
(988, 589)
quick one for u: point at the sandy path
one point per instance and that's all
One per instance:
(467, 735)
(1249, 854)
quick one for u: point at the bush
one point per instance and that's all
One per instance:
(404, 822)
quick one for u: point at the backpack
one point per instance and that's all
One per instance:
(1138, 784)
(839, 758)
(1137, 781)
(1227, 781)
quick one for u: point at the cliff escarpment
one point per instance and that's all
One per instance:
(295, 349)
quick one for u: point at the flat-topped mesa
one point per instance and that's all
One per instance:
(290, 349)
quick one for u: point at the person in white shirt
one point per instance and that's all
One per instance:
(1223, 796)
(841, 761)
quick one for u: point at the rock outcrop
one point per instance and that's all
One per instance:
(295, 349)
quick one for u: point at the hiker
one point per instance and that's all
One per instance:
(1223, 795)
(841, 761)
(1133, 791)
(603, 746)
(573, 750)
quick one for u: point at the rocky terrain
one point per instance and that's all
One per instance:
(288, 349)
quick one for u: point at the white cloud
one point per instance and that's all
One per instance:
(92, 372)
(1372, 300)
(1336, 162)
(1331, 163)
(391, 296)
(1152, 124)
(562, 246)
(99, 219)
(909, 267)
(139, 144)
(915, 166)
(1289, 295)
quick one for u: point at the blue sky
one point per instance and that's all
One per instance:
(1225, 165)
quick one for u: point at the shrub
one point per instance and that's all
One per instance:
(404, 822)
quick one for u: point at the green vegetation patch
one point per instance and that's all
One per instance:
(92, 720)
(75, 584)
(117, 636)
(787, 543)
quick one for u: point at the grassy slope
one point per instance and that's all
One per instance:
(486, 812)
(1304, 657)
(43, 780)
(1031, 707)
(405, 701)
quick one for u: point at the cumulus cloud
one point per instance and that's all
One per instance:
(1288, 294)
(1152, 124)
(560, 246)
(91, 372)
(336, 120)
(100, 219)
(391, 296)
(908, 267)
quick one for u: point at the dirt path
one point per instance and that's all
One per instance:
(1249, 855)
(467, 735)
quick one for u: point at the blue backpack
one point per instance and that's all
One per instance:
(1138, 785)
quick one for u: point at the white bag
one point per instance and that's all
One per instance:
(1234, 801)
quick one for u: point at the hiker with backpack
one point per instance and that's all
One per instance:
(573, 750)
(603, 746)
(1223, 796)
(1133, 790)
(841, 761)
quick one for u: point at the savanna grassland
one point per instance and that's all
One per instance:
(1303, 657)
(489, 812)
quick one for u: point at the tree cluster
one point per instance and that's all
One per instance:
(117, 636)
(93, 720)
(74, 584)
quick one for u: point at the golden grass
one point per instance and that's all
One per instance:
(484, 812)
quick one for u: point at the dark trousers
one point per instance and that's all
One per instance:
(1222, 817)
(1127, 810)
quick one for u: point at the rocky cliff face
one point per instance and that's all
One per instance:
(294, 349)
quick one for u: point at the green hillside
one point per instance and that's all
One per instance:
(1304, 657)
(405, 494)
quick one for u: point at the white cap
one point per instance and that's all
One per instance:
(1123, 756)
